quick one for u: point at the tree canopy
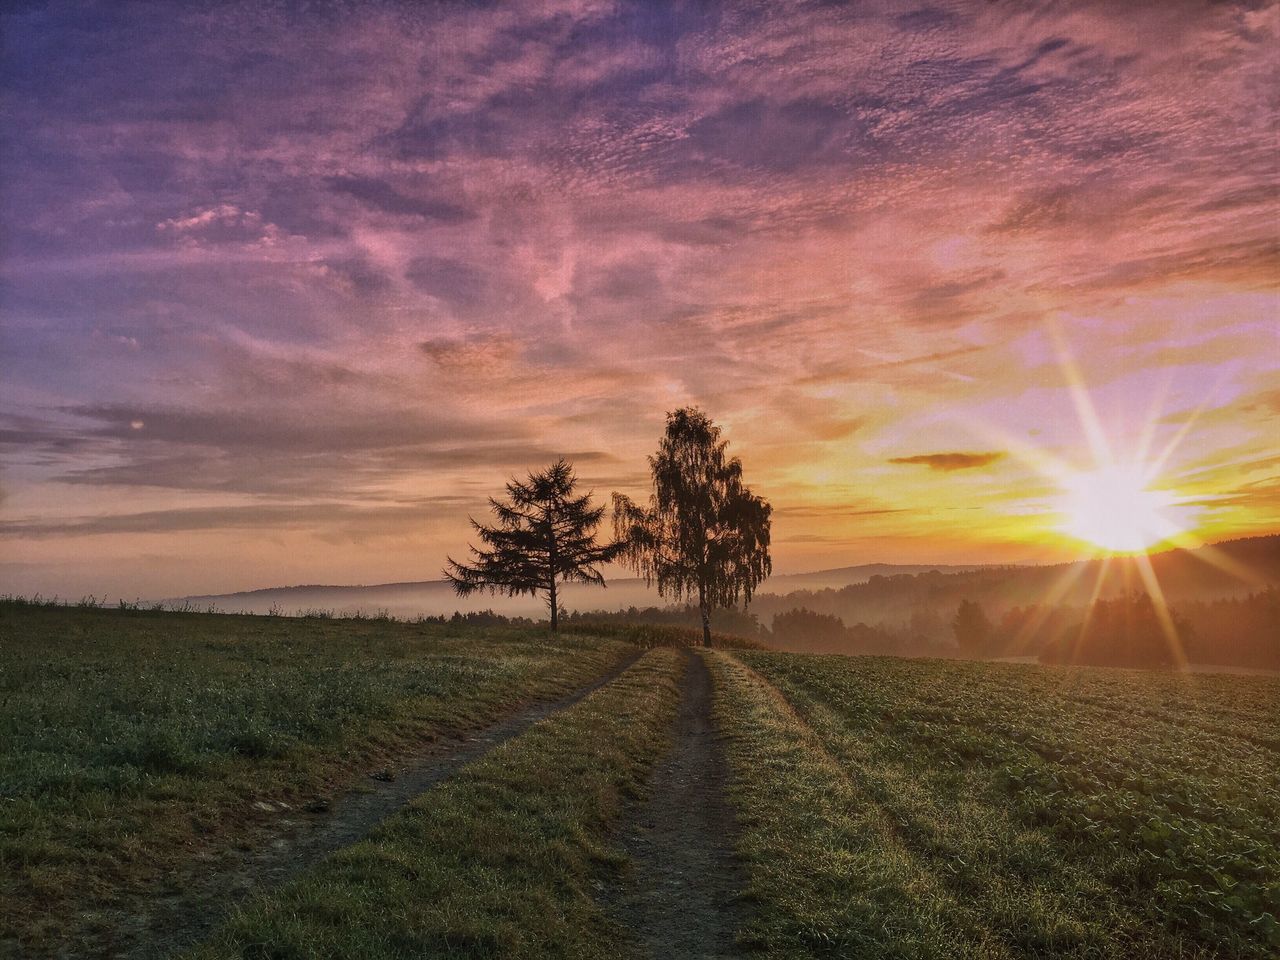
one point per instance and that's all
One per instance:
(971, 627)
(704, 534)
(545, 535)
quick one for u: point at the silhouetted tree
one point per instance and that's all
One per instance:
(1128, 631)
(546, 534)
(704, 533)
(802, 629)
(971, 628)
(927, 624)
(1234, 630)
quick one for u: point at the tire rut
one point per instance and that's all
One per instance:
(165, 925)
(683, 898)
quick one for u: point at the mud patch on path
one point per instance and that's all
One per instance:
(164, 925)
(682, 895)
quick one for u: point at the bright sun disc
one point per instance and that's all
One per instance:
(1113, 508)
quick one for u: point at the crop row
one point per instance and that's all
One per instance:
(1179, 828)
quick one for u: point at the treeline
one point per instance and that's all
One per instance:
(890, 603)
(478, 618)
(1124, 631)
(1134, 631)
(1236, 632)
(807, 631)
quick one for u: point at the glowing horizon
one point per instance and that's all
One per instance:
(285, 298)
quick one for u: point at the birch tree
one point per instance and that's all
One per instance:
(704, 535)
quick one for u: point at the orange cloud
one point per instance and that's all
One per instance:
(951, 461)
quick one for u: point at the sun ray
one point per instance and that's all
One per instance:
(1152, 419)
(1038, 459)
(1121, 506)
(1057, 590)
(1218, 559)
(1170, 630)
(1103, 566)
(1099, 443)
(1157, 464)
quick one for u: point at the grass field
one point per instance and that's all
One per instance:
(907, 808)
(883, 807)
(134, 742)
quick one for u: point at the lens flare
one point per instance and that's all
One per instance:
(1113, 507)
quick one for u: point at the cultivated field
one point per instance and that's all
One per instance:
(941, 809)
(212, 786)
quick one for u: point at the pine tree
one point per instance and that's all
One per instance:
(545, 535)
(704, 533)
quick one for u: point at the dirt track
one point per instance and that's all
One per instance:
(682, 901)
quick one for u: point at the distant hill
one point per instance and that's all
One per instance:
(434, 597)
(844, 576)
(868, 593)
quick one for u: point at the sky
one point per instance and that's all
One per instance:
(287, 290)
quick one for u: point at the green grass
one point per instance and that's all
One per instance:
(506, 859)
(934, 809)
(134, 741)
(888, 808)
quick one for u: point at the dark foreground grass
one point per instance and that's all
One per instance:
(506, 859)
(133, 743)
(930, 809)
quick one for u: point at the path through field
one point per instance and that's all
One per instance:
(682, 902)
(165, 925)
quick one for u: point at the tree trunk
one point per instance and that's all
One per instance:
(554, 564)
(706, 616)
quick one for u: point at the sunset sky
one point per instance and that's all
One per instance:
(285, 296)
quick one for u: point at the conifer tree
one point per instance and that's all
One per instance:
(545, 535)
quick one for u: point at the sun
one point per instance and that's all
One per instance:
(1114, 507)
